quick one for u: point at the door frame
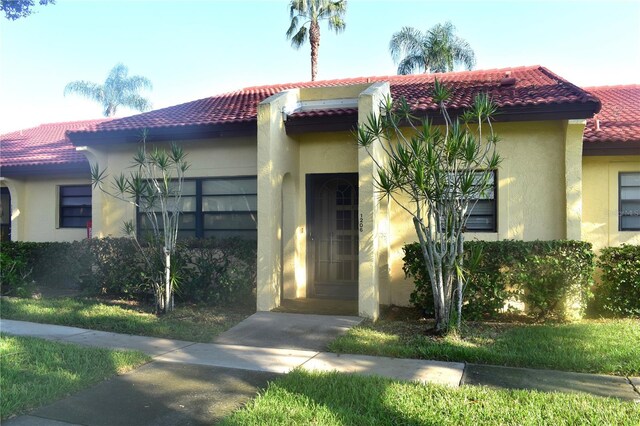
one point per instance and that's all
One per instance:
(310, 181)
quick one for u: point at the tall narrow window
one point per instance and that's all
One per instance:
(629, 201)
(75, 206)
(5, 214)
(483, 209)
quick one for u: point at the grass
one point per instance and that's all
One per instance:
(590, 346)
(36, 371)
(196, 324)
(303, 398)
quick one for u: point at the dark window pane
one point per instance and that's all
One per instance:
(229, 221)
(75, 201)
(230, 186)
(229, 203)
(244, 235)
(630, 223)
(76, 191)
(74, 222)
(630, 208)
(343, 220)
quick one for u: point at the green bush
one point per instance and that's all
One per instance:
(15, 273)
(117, 268)
(619, 292)
(217, 270)
(51, 264)
(552, 278)
(213, 271)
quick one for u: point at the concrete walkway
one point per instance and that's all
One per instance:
(214, 372)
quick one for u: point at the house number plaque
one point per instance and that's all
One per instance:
(361, 223)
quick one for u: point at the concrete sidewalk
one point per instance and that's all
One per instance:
(217, 369)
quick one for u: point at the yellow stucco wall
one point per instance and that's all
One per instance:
(207, 158)
(531, 196)
(600, 200)
(34, 208)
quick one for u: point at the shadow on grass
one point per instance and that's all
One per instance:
(35, 371)
(302, 398)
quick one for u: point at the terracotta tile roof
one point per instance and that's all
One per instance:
(532, 86)
(619, 118)
(45, 144)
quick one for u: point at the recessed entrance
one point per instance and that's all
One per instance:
(332, 239)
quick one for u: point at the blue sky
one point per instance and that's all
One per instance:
(195, 49)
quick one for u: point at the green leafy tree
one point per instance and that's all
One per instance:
(155, 188)
(305, 23)
(436, 50)
(434, 173)
(118, 90)
(14, 9)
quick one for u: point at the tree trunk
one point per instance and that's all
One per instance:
(460, 277)
(314, 40)
(168, 297)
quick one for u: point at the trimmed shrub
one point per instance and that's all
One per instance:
(552, 278)
(117, 268)
(619, 292)
(217, 270)
(51, 264)
(211, 271)
(15, 273)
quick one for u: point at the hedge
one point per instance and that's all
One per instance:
(552, 278)
(618, 293)
(211, 270)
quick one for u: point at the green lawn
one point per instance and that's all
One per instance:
(197, 324)
(36, 371)
(303, 398)
(593, 346)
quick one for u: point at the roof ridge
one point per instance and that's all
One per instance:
(614, 86)
(390, 76)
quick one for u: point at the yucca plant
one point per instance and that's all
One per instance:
(154, 186)
(434, 173)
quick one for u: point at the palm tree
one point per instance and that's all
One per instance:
(311, 12)
(437, 50)
(118, 90)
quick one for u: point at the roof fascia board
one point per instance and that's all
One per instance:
(610, 148)
(46, 169)
(165, 134)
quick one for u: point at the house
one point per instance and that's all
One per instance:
(279, 163)
(44, 184)
(611, 169)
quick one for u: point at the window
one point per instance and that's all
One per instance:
(629, 200)
(5, 214)
(75, 206)
(216, 207)
(483, 212)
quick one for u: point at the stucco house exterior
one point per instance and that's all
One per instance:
(280, 164)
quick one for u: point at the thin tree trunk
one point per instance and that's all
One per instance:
(314, 40)
(167, 282)
(460, 277)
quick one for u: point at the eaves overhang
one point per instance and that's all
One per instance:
(299, 124)
(164, 134)
(53, 169)
(610, 148)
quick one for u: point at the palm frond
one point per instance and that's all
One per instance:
(87, 89)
